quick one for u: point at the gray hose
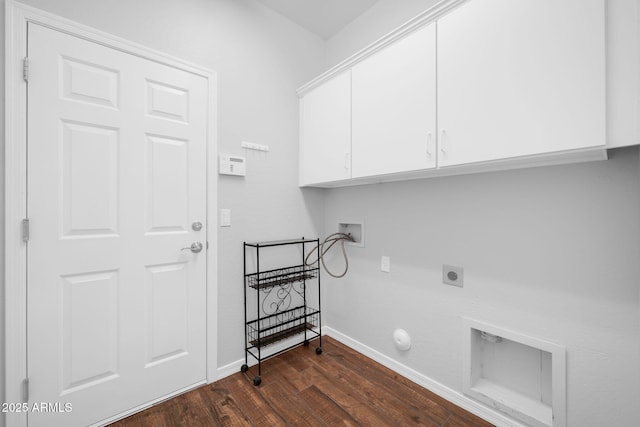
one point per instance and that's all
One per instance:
(331, 240)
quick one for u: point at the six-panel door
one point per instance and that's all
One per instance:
(116, 177)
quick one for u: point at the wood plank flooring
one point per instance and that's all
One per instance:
(340, 387)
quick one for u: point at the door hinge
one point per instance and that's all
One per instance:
(25, 390)
(25, 69)
(25, 230)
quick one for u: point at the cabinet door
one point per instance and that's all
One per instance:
(519, 78)
(325, 132)
(394, 102)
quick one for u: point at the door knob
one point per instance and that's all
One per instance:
(195, 247)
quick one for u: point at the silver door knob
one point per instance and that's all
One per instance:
(195, 247)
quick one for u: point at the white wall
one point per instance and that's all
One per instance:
(380, 19)
(2, 368)
(549, 252)
(260, 59)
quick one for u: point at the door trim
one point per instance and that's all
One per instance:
(17, 16)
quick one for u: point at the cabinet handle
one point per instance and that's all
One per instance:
(443, 142)
(347, 161)
(429, 141)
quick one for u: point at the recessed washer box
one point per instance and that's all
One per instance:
(517, 374)
(355, 229)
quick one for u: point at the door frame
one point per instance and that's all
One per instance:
(17, 16)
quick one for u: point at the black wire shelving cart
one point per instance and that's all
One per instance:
(277, 305)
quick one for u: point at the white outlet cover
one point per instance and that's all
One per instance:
(385, 264)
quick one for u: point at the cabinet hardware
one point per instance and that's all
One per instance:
(443, 141)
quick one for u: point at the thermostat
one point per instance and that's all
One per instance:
(232, 165)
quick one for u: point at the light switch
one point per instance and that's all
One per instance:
(385, 264)
(225, 217)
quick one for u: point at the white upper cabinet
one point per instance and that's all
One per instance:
(467, 86)
(520, 78)
(394, 107)
(325, 132)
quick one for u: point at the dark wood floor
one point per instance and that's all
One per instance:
(300, 388)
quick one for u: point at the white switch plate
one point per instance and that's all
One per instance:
(385, 264)
(225, 217)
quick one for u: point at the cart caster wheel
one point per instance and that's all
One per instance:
(257, 380)
(244, 368)
(319, 350)
(306, 343)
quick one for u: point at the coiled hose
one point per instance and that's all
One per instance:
(331, 240)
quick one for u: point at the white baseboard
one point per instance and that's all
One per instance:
(233, 367)
(147, 405)
(441, 390)
(227, 370)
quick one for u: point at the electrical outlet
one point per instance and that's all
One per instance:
(385, 264)
(452, 275)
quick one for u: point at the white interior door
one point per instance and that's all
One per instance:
(116, 179)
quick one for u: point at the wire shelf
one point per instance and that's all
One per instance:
(281, 276)
(269, 330)
(276, 302)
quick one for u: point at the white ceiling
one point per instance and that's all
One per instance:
(323, 17)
